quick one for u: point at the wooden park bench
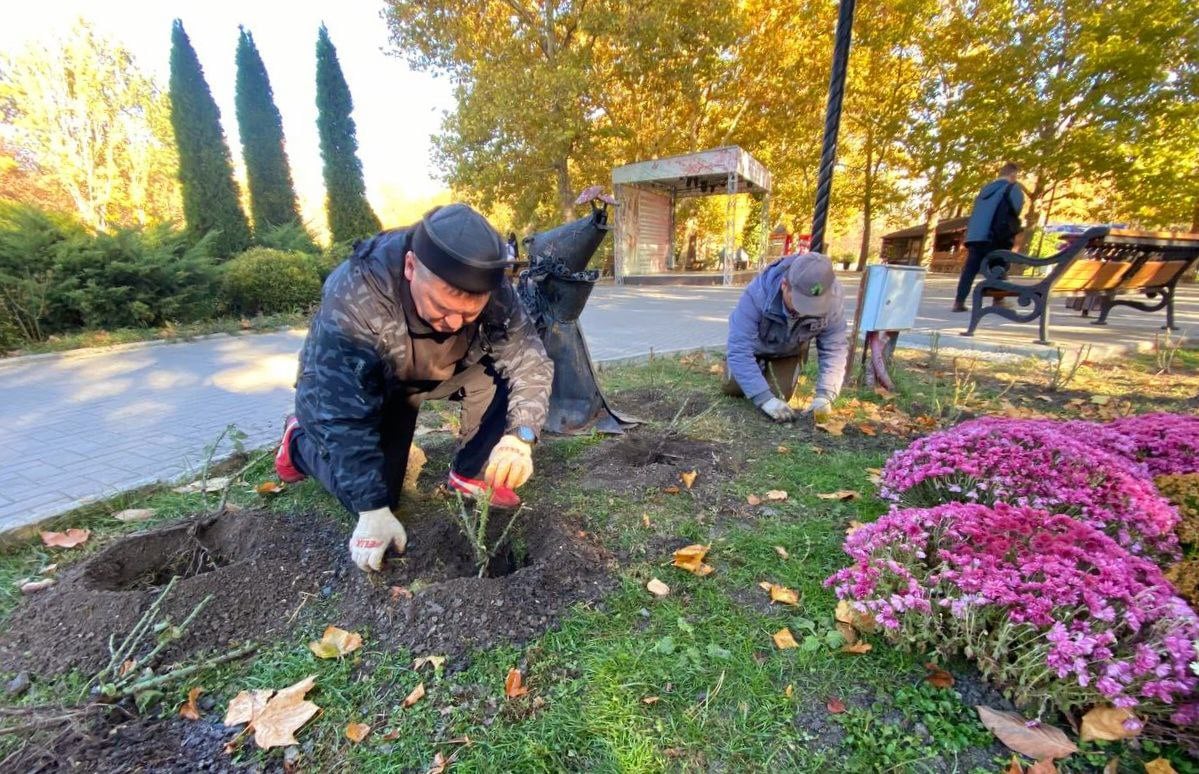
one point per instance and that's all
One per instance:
(1151, 276)
(1070, 271)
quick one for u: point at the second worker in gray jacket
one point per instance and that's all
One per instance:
(795, 300)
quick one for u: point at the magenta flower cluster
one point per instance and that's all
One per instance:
(1073, 468)
(1164, 443)
(1042, 601)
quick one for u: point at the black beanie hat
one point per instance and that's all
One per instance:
(460, 246)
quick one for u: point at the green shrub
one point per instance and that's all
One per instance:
(332, 256)
(57, 276)
(266, 281)
(290, 237)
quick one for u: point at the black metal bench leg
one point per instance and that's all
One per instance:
(1044, 322)
(1168, 291)
(1104, 310)
(976, 310)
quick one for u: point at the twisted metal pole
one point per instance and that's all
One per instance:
(832, 122)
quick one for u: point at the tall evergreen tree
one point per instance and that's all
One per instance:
(210, 199)
(272, 193)
(350, 215)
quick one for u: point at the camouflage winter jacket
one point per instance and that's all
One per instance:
(357, 344)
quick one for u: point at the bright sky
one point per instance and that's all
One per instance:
(396, 110)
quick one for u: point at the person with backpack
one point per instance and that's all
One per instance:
(994, 224)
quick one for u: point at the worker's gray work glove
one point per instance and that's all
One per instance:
(778, 410)
(821, 409)
(375, 531)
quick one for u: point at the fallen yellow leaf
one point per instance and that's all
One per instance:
(776, 495)
(688, 477)
(436, 661)
(832, 426)
(68, 539)
(189, 709)
(356, 732)
(416, 695)
(841, 494)
(280, 716)
(854, 526)
(1159, 766)
(858, 648)
(1108, 724)
(782, 552)
(866, 429)
(1101, 400)
(783, 594)
(670, 489)
(246, 706)
(269, 488)
(789, 691)
(131, 515)
(753, 499)
(645, 520)
(1038, 741)
(657, 588)
(784, 450)
(514, 684)
(335, 642)
(651, 700)
(937, 677)
(691, 558)
(783, 639)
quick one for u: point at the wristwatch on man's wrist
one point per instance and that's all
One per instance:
(525, 433)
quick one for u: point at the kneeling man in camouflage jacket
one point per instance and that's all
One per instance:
(415, 314)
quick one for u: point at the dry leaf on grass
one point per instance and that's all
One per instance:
(857, 648)
(1108, 724)
(835, 705)
(417, 694)
(688, 477)
(356, 732)
(783, 639)
(514, 684)
(650, 700)
(436, 661)
(211, 485)
(670, 489)
(691, 559)
(440, 764)
(189, 709)
(399, 592)
(780, 593)
(131, 515)
(33, 587)
(1036, 741)
(68, 539)
(875, 475)
(335, 642)
(269, 488)
(274, 719)
(753, 499)
(1101, 400)
(937, 677)
(789, 691)
(854, 526)
(657, 588)
(784, 449)
(840, 494)
(1042, 767)
(832, 426)
(847, 614)
(866, 429)
(782, 552)
(776, 495)
(1159, 766)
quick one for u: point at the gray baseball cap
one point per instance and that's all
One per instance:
(811, 279)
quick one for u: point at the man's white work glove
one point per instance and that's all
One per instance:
(821, 409)
(778, 410)
(376, 529)
(510, 463)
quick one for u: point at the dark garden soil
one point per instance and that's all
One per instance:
(646, 459)
(262, 569)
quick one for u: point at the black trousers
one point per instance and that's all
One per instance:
(975, 252)
(484, 397)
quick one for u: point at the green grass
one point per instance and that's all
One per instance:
(722, 696)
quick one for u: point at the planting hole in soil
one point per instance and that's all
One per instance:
(151, 560)
(647, 459)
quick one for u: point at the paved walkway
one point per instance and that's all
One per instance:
(84, 425)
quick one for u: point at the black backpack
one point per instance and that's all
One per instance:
(1005, 225)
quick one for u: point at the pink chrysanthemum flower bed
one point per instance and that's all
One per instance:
(1044, 603)
(1165, 443)
(1057, 466)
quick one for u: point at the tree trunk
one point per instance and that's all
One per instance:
(930, 237)
(566, 201)
(1195, 218)
(1034, 214)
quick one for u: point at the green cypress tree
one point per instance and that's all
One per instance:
(210, 199)
(350, 215)
(272, 193)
